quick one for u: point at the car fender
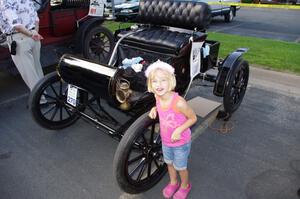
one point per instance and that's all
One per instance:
(226, 69)
(83, 28)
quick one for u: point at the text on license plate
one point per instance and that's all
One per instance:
(72, 94)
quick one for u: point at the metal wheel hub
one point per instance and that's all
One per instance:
(147, 150)
(150, 152)
(97, 44)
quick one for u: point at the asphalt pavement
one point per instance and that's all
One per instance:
(258, 159)
(269, 23)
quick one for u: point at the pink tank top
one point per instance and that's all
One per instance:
(169, 120)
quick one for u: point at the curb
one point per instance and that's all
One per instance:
(284, 83)
(257, 5)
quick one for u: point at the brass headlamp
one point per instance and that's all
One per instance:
(123, 93)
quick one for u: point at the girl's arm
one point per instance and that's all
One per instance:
(185, 109)
(153, 113)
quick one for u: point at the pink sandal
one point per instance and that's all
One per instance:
(170, 189)
(182, 193)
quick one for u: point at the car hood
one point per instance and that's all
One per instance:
(127, 5)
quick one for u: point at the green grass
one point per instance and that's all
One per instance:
(113, 26)
(266, 53)
(272, 54)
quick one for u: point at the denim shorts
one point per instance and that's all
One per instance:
(178, 156)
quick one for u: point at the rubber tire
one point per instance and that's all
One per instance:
(228, 17)
(229, 107)
(122, 155)
(87, 40)
(34, 104)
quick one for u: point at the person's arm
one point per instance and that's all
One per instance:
(30, 33)
(186, 110)
(37, 26)
(23, 30)
(36, 18)
(34, 34)
(153, 113)
(13, 20)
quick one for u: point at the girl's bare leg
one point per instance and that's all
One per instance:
(184, 176)
(172, 174)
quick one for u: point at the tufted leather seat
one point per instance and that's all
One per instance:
(160, 40)
(175, 13)
(180, 14)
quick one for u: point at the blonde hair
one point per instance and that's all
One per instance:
(170, 76)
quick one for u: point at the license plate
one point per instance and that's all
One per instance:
(72, 94)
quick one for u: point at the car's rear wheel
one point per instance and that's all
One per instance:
(228, 17)
(236, 86)
(98, 44)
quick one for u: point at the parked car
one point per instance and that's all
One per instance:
(221, 8)
(228, 11)
(124, 9)
(127, 10)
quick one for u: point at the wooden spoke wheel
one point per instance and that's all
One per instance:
(98, 44)
(47, 103)
(138, 162)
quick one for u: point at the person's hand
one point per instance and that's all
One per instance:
(153, 113)
(36, 36)
(176, 135)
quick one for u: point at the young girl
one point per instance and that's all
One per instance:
(175, 117)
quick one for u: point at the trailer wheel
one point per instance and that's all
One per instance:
(54, 114)
(98, 44)
(138, 162)
(236, 86)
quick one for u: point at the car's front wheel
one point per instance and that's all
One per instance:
(47, 103)
(138, 162)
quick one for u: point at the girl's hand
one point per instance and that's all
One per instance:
(153, 113)
(176, 135)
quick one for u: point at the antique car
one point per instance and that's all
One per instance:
(114, 96)
(66, 28)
